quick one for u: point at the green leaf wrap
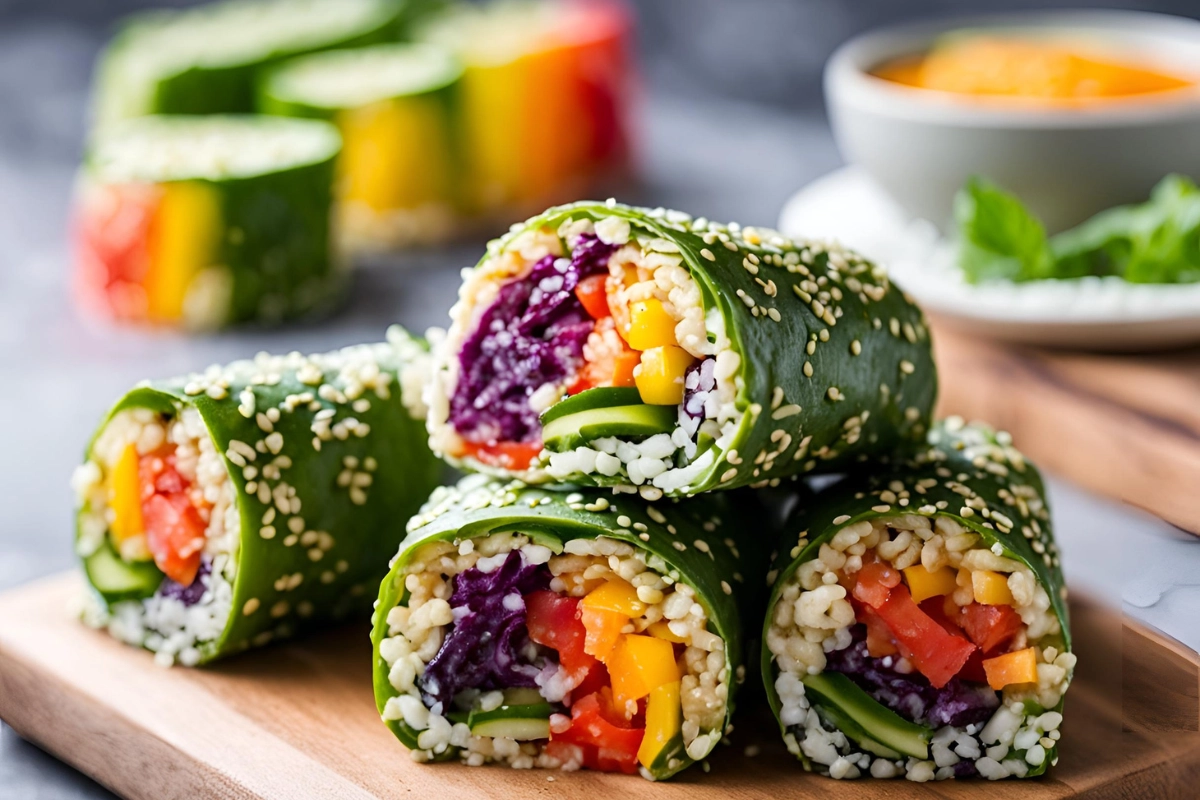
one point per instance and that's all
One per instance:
(686, 541)
(969, 474)
(322, 560)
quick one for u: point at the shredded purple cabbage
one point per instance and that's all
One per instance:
(533, 334)
(188, 595)
(958, 703)
(699, 394)
(488, 645)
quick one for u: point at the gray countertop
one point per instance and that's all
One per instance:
(722, 159)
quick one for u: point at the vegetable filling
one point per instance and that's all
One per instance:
(598, 361)
(906, 647)
(158, 531)
(504, 651)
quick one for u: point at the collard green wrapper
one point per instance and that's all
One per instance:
(315, 554)
(724, 572)
(836, 361)
(970, 474)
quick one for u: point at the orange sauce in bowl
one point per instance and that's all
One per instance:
(1043, 72)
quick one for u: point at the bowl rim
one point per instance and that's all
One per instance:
(846, 81)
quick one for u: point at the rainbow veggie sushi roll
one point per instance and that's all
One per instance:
(600, 344)
(203, 222)
(225, 509)
(499, 110)
(917, 624)
(206, 60)
(530, 628)
(544, 97)
(394, 105)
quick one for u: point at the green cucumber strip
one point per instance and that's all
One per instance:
(874, 720)
(533, 711)
(523, 697)
(600, 397)
(522, 729)
(572, 430)
(116, 579)
(839, 721)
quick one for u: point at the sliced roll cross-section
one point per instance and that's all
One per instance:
(917, 626)
(395, 106)
(207, 60)
(202, 222)
(607, 345)
(529, 628)
(225, 509)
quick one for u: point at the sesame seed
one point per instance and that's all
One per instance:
(729, 475)
(808, 369)
(839, 520)
(708, 254)
(250, 607)
(855, 347)
(678, 545)
(784, 412)
(624, 521)
(726, 588)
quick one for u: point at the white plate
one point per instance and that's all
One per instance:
(1088, 313)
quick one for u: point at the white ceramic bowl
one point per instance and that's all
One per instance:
(1066, 164)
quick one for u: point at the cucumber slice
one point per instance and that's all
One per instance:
(868, 720)
(600, 397)
(116, 579)
(574, 430)
(524, 716)
(834, 716)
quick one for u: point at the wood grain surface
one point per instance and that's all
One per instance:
(298, 721)
(1127, 426)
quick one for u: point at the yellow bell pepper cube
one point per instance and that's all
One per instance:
(640, 664)
(923, 584)
(125, 498)
(615, 595)
(659, 376)
(649, 325)
(661, 630)
(663, 721)
(1010, 668)
(990, 588)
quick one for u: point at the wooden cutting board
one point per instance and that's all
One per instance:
(1123, 425)
(298, 721)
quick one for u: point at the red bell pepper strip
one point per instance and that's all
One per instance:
(938, 654)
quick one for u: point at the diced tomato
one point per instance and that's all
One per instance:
(874, 582)
(973, 669)
(175, 535)
(989, 626)
(879, 636)
(595, 680)
(592, 293)
(175, 530)
(607, 745)
(581, 384)
(553, 621)
(507, 455)
(938, 654)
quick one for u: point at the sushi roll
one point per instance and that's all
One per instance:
(207, 60)
(497, 111)
(917, 626)
(600, 344)
(225, 509)
(544, 98)
(529, 628)
(204, 222)
(395, 106)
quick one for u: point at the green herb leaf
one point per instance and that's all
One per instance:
(1155, 242)
(1001, 240)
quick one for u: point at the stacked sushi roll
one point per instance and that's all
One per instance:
(498, 109)
(207, 60)
(918, 625)
(607, 345)
(590, 600)
(222, 510)
(203, 222)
